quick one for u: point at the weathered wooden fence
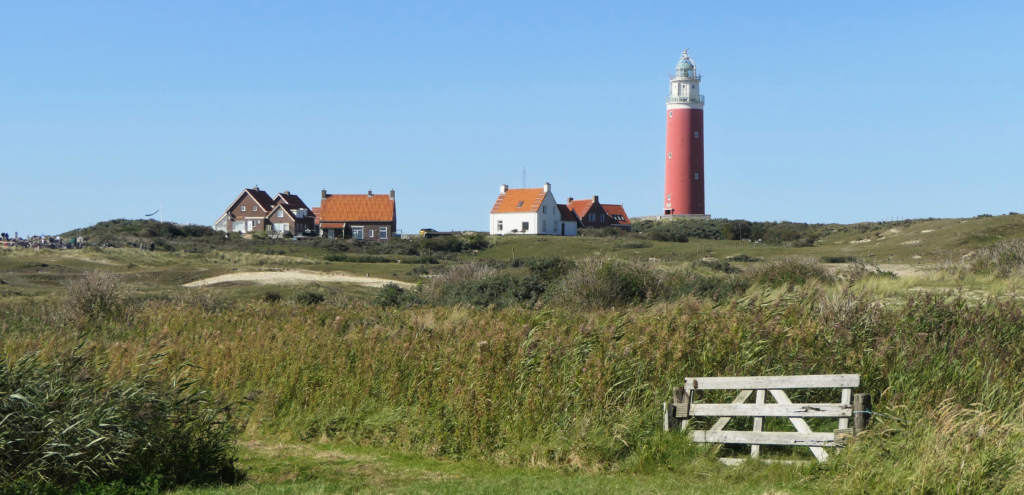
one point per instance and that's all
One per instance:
(850, 406)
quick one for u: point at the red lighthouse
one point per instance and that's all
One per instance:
(684, 143)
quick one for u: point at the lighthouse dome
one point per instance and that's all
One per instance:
(684, 64)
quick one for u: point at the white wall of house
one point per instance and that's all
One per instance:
(570, 228)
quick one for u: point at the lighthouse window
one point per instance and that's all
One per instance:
(669, 157)
(696, 176)
(696, 135)
(670, 114)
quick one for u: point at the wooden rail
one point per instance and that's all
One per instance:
(683, 409)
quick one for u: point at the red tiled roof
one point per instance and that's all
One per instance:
(567, 214)
(581, 206)
(519, 201)
(356, 207)
(613, 210)
(292, 200)
(316, 214)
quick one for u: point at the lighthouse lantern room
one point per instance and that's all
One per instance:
(684, 143)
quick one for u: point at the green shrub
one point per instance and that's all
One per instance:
(67, 422)
(838, 259)
(98, 295)
(309, 297)
(597, 282)
(743, 258)
(270, 296)
(716, 265)
(550, 268)
(1004, 259)
(633, 244)
(391, 295)
(788, 271)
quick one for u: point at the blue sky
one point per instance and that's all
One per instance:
(816, 111)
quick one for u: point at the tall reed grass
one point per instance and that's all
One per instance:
(566, 385)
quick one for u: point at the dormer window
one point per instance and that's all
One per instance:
(520, 204)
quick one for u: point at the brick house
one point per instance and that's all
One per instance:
(369, 217)
(594, 215)
(290, 214)
(247, 213)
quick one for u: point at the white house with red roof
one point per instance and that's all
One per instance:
(531, 211)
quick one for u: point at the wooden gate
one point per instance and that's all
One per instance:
(684, 407)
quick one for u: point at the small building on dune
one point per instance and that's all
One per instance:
(368, 217)
(595, 215)
(530, 211)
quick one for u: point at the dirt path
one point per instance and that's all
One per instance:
(295, 277)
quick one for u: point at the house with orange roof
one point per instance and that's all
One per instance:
(368, 217)
(595, 215)
(530, 211)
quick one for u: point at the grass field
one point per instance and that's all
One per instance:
(346, 396)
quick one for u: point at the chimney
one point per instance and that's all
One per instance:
(392, 195)
(595, 198)
(569, 200)
(503, 188)
(547, 187)
(288, 193)
(323, 194)
(369, 194)
(257, 188)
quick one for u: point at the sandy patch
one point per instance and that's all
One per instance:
(862, 241)
(909, 243)
(927, 231)
(295, 277)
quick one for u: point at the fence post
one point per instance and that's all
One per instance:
(678, 393)
(861, 412)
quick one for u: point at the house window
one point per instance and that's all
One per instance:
(371, 232)
(243, 208)
(526, 226)
(280, 213)
(545, 227)
(545, 211)
(592, 217)
(602, 217)
(357, 233)
(383, 233)
(499, 226)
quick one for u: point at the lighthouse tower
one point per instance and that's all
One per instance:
(684, 143)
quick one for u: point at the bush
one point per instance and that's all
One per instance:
(789, 271)
(743, 258)
(548, 269)
(477, 284)
(838, 259)
(390, 295)
(716, 265)
(1004, 259)
(309, 297)
(633, 244)
(66, 422)
(596, 283)
(270, 296)
(98, 295)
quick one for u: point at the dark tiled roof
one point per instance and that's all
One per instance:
(262, 198)
(567, 214)
(292, 200)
